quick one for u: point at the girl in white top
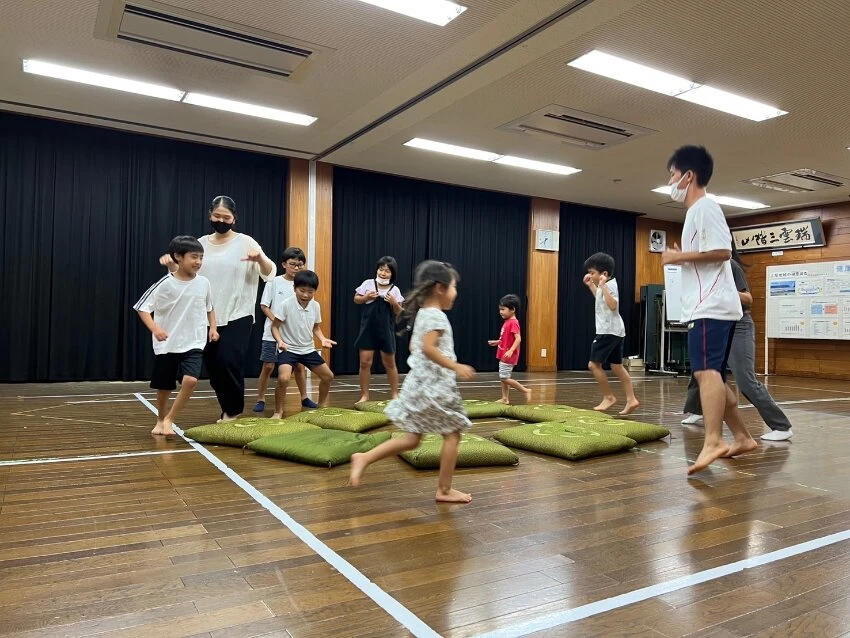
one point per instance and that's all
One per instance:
(234, 264)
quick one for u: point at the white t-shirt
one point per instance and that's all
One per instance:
(297, 327)
(180, 308)
(609, 322)
(708, 289)
(369, 286)
(275, 293)
(235, 281)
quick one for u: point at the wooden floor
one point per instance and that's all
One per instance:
(157, 545)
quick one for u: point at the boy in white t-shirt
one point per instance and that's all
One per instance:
(607, 346)
(177, 310)
(710, 303)
(275, 293)
(296, 326)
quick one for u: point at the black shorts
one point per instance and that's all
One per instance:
(709, 343)
(170, 368)
(380, 338)
(607, 349)
(310, 360)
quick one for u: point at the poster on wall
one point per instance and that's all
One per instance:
(657, 241)
(808, 301)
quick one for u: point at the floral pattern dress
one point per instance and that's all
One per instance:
(429, 400)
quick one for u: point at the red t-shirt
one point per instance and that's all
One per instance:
(506, 340)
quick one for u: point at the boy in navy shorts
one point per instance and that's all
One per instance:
(177, 310)
(710, 303)
(297, 324)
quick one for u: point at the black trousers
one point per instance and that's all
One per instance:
(225, 362)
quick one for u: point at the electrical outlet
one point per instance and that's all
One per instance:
(543, 353)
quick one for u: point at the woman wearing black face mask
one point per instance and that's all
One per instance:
(234, 264)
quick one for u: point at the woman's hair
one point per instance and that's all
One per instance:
(426, 276)
(391, 264)
(223, 201)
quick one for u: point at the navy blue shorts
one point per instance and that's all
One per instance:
(607, 349)
(709, 343)
(170, 368)
(310, 360)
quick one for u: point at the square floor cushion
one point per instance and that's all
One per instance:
(324, 448)
(474, 451)
(344, 419)
(548, 413)
(477, 409)
(640, 432)
(371, 406)
(565, 441)
(240, 432)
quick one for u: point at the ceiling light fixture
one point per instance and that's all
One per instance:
(91, 78)
(244, 108)
(439, 12)
(451, 149)
(723, 200)
(623, 70)
(546, 167)
(486, 156)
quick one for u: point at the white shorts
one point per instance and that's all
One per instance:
(505, 370)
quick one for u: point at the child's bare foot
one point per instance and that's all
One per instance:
(157, 428)
(453, 496)
(504, 401)
(167, 430)
(363, 398)
(631, 406)
(742, 447)
(607, 402)
(527, 393)
(358, 466)
(226, 417)
(707, 457)
(277, 415)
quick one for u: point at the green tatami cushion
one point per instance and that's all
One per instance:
(547, 413)
(324, 448)
(476, 409)
(565, 441)
(240, 432)
(344, 419)
(371, 406)
(474, 451)
(640, 432)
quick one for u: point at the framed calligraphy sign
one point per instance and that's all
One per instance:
(804, 233)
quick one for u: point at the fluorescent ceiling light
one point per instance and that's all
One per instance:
(546, 167)
(99, 79)
(633, 73)
(199, 99)
(611, 66)
(486, 156)
(723, 200)
(731, 103)
(451, 149)
(439, 12)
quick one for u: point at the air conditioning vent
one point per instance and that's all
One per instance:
(560, 124)
(802, 180)
(154, 24)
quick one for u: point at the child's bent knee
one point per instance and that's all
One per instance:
(189, 382)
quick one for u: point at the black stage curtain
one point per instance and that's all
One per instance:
(484, 234)
(584, 231)
(85, 214)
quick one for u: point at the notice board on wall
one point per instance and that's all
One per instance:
(808, 301)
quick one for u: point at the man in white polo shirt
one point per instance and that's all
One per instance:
(710, 303)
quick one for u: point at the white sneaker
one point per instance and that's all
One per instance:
(777, 435)
(693, 419)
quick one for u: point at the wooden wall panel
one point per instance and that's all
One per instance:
(648, 267)
(324, 244)
(806, 358)
(541, 330)
(296, 203)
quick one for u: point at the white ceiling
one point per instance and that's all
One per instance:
(794, 55)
